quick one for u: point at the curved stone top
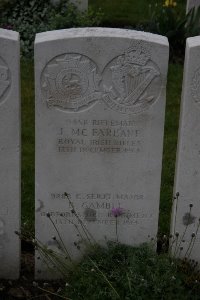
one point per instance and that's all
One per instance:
(99, 32)
(9, 34)
(193, 41)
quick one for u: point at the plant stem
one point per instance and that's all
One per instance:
(183, 235)
(116, 229)
(85, 230)
(177, 197)
(194, 239)
(129, 283)
(105, 278)
(60, 239)
(62, 297)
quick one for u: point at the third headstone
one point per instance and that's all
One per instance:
(186, 208)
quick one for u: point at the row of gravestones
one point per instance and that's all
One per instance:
(100, 108)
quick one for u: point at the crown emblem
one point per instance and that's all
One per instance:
(137, 54)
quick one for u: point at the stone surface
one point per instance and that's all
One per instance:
(186, 211)
(81, 4)
(9, 154)
(100, 102)
(191, 4)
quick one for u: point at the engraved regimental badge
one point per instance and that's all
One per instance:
(132, 82)
(195, 86)
(129, 83)
(4, 79)
(70, 82)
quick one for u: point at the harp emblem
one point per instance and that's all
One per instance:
(195, 86)
(131, 77)
(5, 79)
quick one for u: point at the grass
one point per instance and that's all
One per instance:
(127, 12)
(124, 272)
(28, 147)
(170, 141)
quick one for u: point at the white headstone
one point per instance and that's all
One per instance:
(82, 5)
(191, 4)
(100, 102)
(186, 210)
(9, 154)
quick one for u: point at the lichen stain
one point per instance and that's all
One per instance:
(1, 237)
(1, 227)
(52, 243)
(196, 173)
(41, 205)
(188, 219)
(90, 215)
(1, 251)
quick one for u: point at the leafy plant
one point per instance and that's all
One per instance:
(134, 272)
(67, 15)
(29, 17)
(118, 271)
(168, 20)
(193, 22)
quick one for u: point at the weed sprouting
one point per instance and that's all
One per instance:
(118, 271)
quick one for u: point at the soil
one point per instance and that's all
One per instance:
(26, 287)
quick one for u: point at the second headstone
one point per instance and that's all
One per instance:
(100, 103)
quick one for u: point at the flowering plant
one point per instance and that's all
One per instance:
(167, 19)
(117, 211)
(170, 3)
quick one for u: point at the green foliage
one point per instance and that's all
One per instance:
(173, 23)
(4, 4)
(135, 273)
(29, 17)
(174, 86)
(68, 16)
(26, 17)
(28, 145)
(166, 20)
(193, 23)
(124, 13)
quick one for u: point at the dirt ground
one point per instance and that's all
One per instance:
(26, 287)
